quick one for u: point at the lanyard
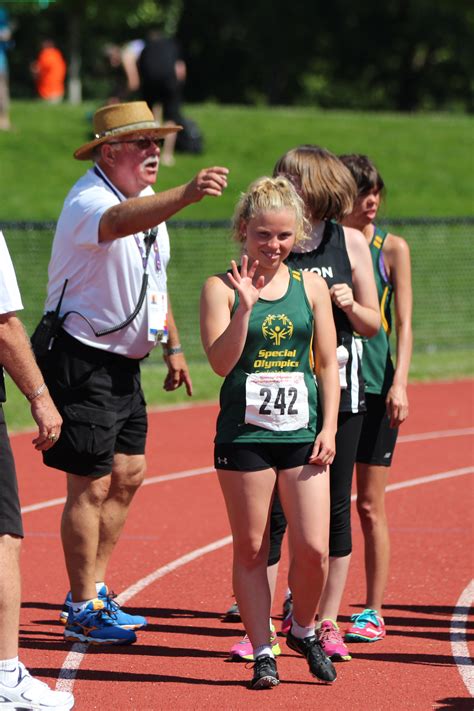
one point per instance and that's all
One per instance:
(149, 237)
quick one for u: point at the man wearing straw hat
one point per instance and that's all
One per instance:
(107, 307)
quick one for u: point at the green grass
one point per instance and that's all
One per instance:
(426, 159)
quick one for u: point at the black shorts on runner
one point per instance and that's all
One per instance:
(249, 457)
(10, 511)
(100, 399)
(377, 439)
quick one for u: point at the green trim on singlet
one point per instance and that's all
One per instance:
(377, 365)
(279, 339)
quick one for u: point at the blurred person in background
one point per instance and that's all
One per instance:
(162, 72)
(5, 38)
(385, 387)
(49, 72)
(108, 295)
(18, 689)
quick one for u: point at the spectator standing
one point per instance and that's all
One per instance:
(5, 36)
(385, 387)
(162, 73)
(110, 251)
(49, 72)
(17, 687)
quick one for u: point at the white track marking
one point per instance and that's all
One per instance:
(435, 435)
(73, 660)
(457, 635)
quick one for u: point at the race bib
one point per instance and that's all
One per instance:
(277, 401)
(157, 307)
(342, 360)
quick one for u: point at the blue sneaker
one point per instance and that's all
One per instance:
(124, 620)
(96, 625)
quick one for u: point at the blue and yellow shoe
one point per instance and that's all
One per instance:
(124, 620)
(96, 625)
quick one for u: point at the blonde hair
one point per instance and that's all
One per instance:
(266, 195)
(323, 181)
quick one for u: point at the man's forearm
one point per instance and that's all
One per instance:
(17, 357)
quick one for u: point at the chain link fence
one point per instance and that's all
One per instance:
(442, 263)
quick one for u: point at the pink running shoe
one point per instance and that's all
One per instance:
(286, 623)
(243, 650)
(367, 626)
(332, 643)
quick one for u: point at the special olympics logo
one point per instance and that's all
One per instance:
(277, 328)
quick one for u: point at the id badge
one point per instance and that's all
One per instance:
(157, 307)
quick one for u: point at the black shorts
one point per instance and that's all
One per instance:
(10, 512)
(377, 440)
(249, 457)
(340, 482)
(101, 401)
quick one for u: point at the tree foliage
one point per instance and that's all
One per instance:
(397, 54)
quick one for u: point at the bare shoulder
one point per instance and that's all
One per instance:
(395, 250)
(354, 238)
(314, 285)
(395, 243)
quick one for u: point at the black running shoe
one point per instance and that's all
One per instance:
(265, 674)
(320, 665)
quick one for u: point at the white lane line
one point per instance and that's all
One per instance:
(420, 437)
(73, 660)
(457, 633)
(207, 470)
(148, 481)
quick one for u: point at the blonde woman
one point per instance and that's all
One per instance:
(267, 329)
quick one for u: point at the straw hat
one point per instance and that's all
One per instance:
(122, 120)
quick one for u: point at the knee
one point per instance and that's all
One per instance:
(128, 477)
(250, 553)
(314, 555)
(370, 511)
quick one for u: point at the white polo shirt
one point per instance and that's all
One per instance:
(104, 278)
(10, 299)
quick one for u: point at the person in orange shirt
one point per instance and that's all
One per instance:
(49, 71)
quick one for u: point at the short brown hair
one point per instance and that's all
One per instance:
(364, 172)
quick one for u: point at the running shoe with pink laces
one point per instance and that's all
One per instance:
(332, 643)
(367, 626)
(243, 650)
(287, 614)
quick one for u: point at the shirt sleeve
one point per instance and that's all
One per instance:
(10, 298)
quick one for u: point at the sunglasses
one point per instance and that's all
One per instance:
(143, 144)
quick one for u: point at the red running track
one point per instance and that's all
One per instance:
(180, 659)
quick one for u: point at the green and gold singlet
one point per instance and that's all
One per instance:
(377, 365)
(270, 394)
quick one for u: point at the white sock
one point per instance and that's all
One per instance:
(301, 632)
(99, 586)
(80, 605)
(9, 672)
(264, 649)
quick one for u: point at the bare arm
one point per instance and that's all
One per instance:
(360, 303)
(18, 360)
(397, 259)
(224, 337)
(142, 213)
(326, 368)
(178, 371)
(129, 63)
